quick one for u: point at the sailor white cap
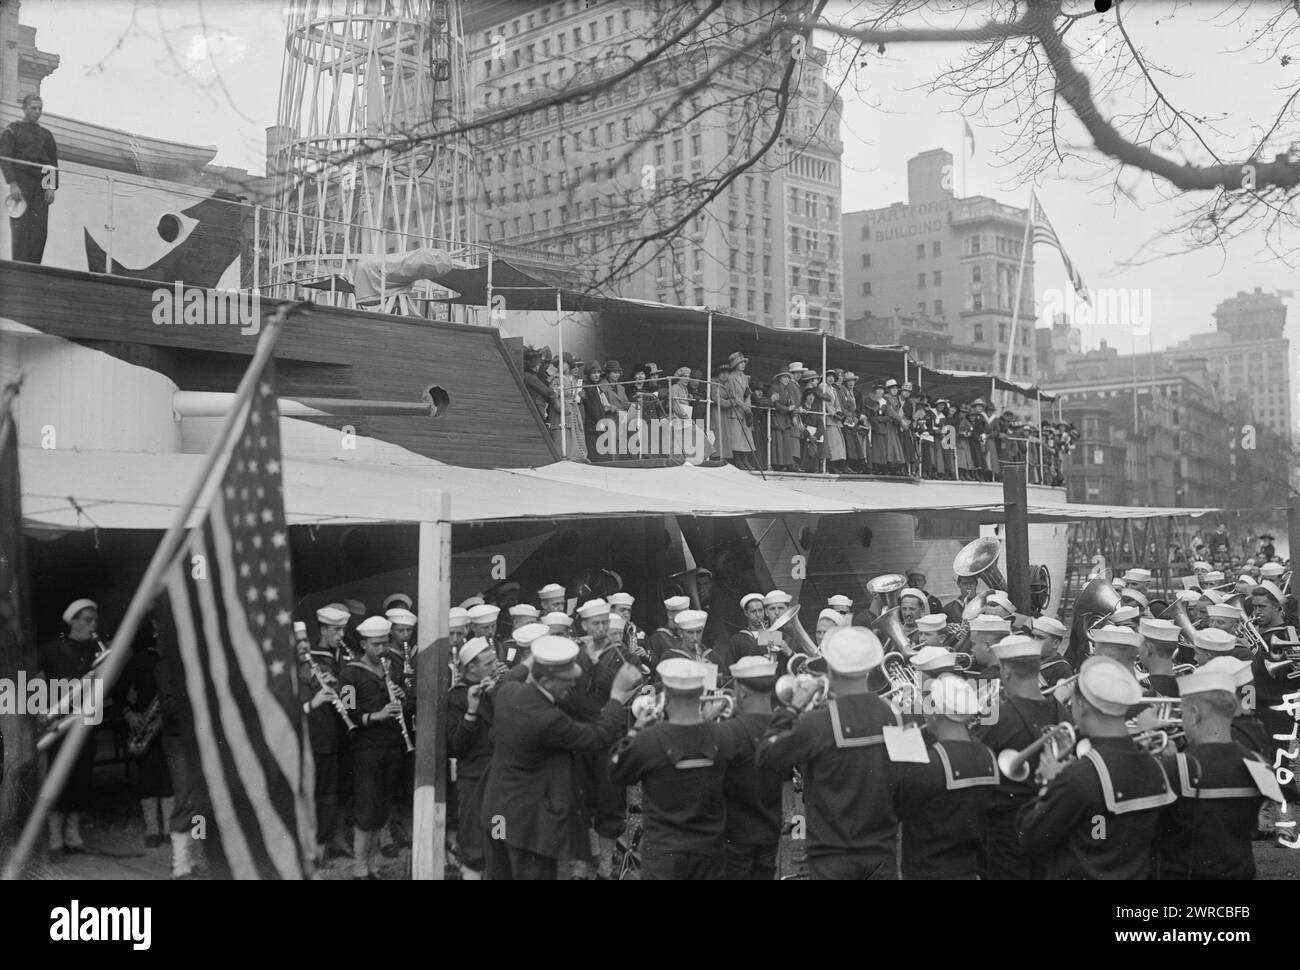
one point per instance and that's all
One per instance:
(593, 609)
(553, 654)
(457, 618)
(299, 628)
(1214, 596)
(621, 599)
(953, 696)
(777, 598)
(840, 602)
(1246, 578)
(1201, 680)
(852, 650)
(1017, 646)
(1189, 595)
(617, 623)
(692, 619)
(1049, 626)
(1214, 641)
(1201, 564)
(529, 632)
(678, 673)
(332, 616)
(1108, 686)
(472, 602)
(1239, 670)
(401, 617)
(399, 598)
(76, 606)
(1272, 570)
(525, 609)
(1223, 611)
(551, 591)
(483, 613)
(1274, 593)
(914, 592)
(675, 604)
(835, 616)
(1158, 630)
(753, 667)
(1119, 583)
(355, 607)
(749, 598)
(933, 658)
(376, 626)
(558, 619)
(1117, 634)
(1138, 576)
(1001, 600)
(472, 648)
(932, 623)
(1136, 597)
(990, 624)
(1125, 614)
(1214, 578)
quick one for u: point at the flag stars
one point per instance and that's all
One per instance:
(277, 668)
(245, 570)
(271, 593)
(273, 467)
(268, 515)
(266, 644)
(283, 617)
(252, 594)
(278, 540)
(257, 542)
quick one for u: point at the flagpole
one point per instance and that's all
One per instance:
(1020, 280)
(119, 650)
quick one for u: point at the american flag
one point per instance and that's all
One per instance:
(234, 637)
(1044, 233)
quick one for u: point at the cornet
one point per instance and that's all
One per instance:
(648, 700)
(787, 683)
(904, 682)
(1061, 740)
(722, 702)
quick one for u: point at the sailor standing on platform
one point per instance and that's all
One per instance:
(668, 636)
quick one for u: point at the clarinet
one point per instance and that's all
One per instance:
(338, 701)
(392, 698)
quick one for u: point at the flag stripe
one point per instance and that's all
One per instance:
(1044, 233)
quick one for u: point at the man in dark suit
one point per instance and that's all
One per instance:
(532, 811)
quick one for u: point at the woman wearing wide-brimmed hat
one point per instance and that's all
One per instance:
(679, 409)
(836, 449)
(737, 416)
(814, 430)
(787, 430)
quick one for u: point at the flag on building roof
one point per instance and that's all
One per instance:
(968, 134)
(230, 597)
(1044, 233)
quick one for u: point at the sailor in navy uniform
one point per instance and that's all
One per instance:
(469, 741)
(457, 627)
(667, 636)
(483, 623)
(533, 810)
(966, 586)
(745, 643)
(680, 762)
(560, 624)
(690, 646)
(932, 662)
(1159, 645)
(1247, 729)
(1206, 833)
(402, 641)
(753, 797)
(1208, 644)
(1021, 713)
(1098, 816)
(943, 804)
(325, 728)
(839, 749)
(550, 599)
(1053, 668)
(509, 651)
(377, 748)
(1120, 643)
(70, 658)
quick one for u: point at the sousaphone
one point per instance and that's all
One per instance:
(980, 560)
(888, 589)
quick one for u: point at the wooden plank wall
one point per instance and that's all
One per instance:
(327, 353)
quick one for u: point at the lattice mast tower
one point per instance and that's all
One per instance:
(359, 165)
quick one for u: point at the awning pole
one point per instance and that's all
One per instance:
(823, 400)
(708, 387)
(383, 268)
(429, 811)
(1038, 426)
(489, 288)
(257, 248)
(564, 376)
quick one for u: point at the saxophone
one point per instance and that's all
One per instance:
(392, 698)
(138, 743)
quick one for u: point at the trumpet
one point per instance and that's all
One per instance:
(787, 683)
(1155, 740)
(1249, 633)
(1277, 668)
(1060, 739)
(392, 699)
(56, 722)
(904, 682)
(717, 705)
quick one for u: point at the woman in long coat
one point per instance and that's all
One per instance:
(886, 444)
(718, 398)
(786, 429)
(836, 453)
(737, 416)
(813, 430)
(854, 452)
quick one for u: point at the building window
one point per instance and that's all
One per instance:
(767, 303)
(866, 234)
(1002, 333)
(696, 144)
(920, 281)
(920, 250)
(938, 308)
(975, 275)
(936, 249)
(866, 289)
(977, 333)
(920, 309)
(794, 276)
(974, 244)
(866, 260)
(938, 277)
(735, 297)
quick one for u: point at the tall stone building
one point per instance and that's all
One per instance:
(947, 259)
(588, 179)
(22, 65)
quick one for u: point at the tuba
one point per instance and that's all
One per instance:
(979, 558)
(806, 645)
(687, 583)
(887, 588)
(1177, 612)
(889, 627)
(1098, 600)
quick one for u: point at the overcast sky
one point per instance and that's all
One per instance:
(209, 73)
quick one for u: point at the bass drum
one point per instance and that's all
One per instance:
(1040, 588)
